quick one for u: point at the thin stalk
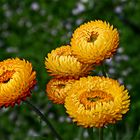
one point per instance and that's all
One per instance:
(114, 132)
(104, 71)
(80, 132)
(101, 134)
(90, 133)
(44, 118)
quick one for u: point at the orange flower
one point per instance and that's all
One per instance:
(57, 89)
(61, 63)
(16, 80)
(97, 101)
(94, 41)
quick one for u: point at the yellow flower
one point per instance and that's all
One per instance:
(97, 101)
(16, 80)
(61, 63)
(94, 41)
(57, 89)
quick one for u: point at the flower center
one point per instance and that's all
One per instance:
(93, 99)
(57, 87)
(90, 99)
(93, 37)
(6, 76)
(61, 85)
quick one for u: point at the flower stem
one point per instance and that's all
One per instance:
(100, 133)
(80, 132)
(90, 133)
(114, 132)
(42, 116)
(104, 71)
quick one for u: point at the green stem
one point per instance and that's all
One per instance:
(104, 71)
(80, 132)
(42, 116)
(114, 132)
(101, 134)
(90, 133)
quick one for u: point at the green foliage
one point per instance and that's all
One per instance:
(31, 29)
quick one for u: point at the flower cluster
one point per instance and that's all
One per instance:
(91, 101)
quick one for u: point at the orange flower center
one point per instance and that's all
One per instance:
(6, 76)
(60, 86)
(93, 37)
(90, 99)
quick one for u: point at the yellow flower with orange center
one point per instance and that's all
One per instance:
(61, 63)
(57, 89)
(97, 101)
(16, 80)
(94, 41)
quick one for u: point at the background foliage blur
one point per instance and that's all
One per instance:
(30, 29)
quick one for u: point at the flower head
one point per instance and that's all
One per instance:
(94, 41)
(57, 89)
(16, 80)
(61, 63)
(97, 101)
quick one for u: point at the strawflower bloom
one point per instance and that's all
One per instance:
(97, 101)
(61, 63)
(57, 89)
(16, 80)
(94, 41)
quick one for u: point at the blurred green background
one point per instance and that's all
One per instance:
(30, 29)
